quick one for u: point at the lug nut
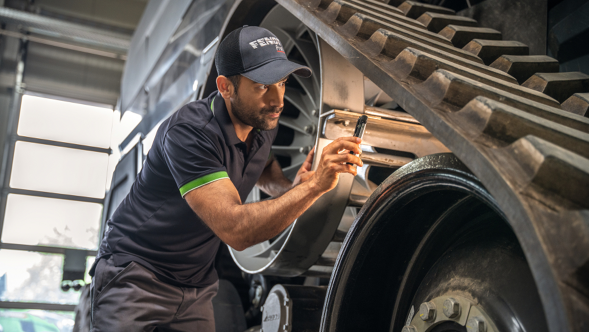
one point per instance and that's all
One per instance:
(476, 324)
(451, 308)
(427, 311)
(409, 328)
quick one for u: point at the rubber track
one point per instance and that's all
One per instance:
(532, 156)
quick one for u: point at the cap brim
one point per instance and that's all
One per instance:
(274, 71)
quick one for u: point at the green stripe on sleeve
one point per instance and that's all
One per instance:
(212, 101)
(202, 181)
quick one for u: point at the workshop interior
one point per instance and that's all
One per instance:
(471, 209)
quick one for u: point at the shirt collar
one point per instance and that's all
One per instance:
(224, 120)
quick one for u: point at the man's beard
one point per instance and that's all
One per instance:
(253, 117)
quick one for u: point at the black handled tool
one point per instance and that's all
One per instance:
(359, 131)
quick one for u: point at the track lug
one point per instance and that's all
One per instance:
(489, 117)
(415, 9)
(523, 67)
(461, 35)
(490, 50)
(577, 104)
(436, 22)
(559, 86)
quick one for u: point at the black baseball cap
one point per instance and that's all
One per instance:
(257, 54)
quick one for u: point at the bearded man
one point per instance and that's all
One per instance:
(155, 266)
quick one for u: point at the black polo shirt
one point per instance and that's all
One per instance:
(154, 225)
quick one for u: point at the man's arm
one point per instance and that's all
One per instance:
(241, 226)
(272, 181)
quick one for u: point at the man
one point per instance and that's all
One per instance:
(155, 267)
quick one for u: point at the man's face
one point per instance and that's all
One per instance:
(258, 105)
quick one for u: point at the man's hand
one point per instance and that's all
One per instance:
(305, 172)
(334, 159)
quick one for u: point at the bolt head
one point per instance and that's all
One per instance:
(476, 324)
(409, 328)
(427, 311)
(451, 308)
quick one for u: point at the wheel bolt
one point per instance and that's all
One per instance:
(476, 324)
(427, 311)
(409, 328)
(451, 308)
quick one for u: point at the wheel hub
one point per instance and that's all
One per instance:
(447, 311)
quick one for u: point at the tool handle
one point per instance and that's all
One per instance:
(360, 128)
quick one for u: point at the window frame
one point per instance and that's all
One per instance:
(5, 174)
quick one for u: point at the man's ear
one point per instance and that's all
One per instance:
(224, 86)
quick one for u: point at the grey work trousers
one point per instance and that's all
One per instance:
(132, 299)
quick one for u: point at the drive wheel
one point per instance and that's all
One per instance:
(431, 251)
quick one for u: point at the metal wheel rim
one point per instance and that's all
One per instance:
(304, 98)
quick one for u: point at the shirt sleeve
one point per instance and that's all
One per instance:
(193, 159)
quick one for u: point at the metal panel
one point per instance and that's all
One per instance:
(122, 180)
(159, 21)
(120, 14)
(36, 306)
(13, 113)
(182, 67)
(61, 144)
(51, 195)
(76, 33)
(57, 71)
(46, 249)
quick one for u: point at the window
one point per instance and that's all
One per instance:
(61, 163)
(64, 121)
(48, 221)
(36, 320)
(47, 168)
(34, 277)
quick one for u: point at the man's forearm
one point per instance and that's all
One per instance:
(272, 181)
(264, 220)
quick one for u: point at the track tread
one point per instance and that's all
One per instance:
(540, 160)
(342, 11)
(530, 156)
(451, 92)
(577, 104)
(384, 6)
(523, 67)
(389, 44)
(491, 50)
(435, 22)
(484, 116)
(420, 65)
(414, 9)
(559, 86)
(461, 35)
